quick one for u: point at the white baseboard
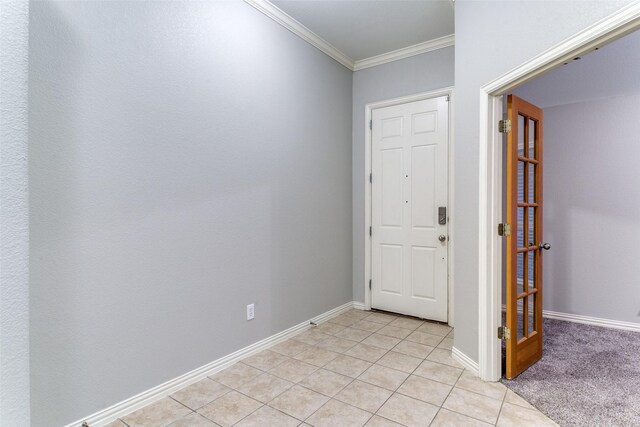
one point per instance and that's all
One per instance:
(145, 398)
(359, 305)
(464, 360)
(588, 320)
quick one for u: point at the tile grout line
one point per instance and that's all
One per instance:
(246, 395)
(478, 394)
(317, 368)
(234, 389)
(500, 411)
(449, 394)
(405, 380)
(445, 399)
(387, 351)
(196, 410)
(271, 407)
(256, 410)
(275, 397)
(442, 338)
(351, 382)
(330, 399)
(452, 386)
(306, 388)
(168, 397)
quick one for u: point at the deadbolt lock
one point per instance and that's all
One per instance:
(442, 215)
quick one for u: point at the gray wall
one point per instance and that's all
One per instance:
(420, 73)
(610, 71)
(592, 208)
(14, 215)
(591, 201)
(186, 159)
(485, 30)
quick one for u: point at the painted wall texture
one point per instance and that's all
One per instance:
(162, 201)
(14, 215)
(609, 71)
(485, 30)
(592, 208)
(186, 159)
(420, 73)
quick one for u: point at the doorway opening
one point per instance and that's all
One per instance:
(587, 141)
(491, 244)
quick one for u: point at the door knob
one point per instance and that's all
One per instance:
(545, 246)
(442, 238)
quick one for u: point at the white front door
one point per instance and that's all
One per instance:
(409, 159)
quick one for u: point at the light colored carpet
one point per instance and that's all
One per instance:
(588, 376)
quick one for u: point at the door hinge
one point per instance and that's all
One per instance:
(370, 124)
(504, 230)
(369, 284)
(370, 177)
(504, 126)
(370, 231)
(504, 333)
(447, 98)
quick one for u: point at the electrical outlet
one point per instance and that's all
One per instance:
(250, 312)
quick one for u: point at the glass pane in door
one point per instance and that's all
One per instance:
(521, 136)
(521, 166)
(532, 139)
(531, 229)
(520, 274)
(531, 270)
(520, 311)
(532, 315)
(520, 229)
(532, 183)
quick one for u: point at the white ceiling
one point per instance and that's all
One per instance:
(613, 70)
(364, 28)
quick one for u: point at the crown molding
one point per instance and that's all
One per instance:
(405, 52)
(301, 31)
(282, 18)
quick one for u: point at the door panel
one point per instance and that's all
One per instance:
(391, 126)
(423, 279)
(391, 192)
(524, 252)
(391, 268)
(410, 169)
(423, 165)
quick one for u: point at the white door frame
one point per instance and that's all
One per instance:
(367, 189)
(623, 22)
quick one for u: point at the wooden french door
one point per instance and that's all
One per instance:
(524, 245)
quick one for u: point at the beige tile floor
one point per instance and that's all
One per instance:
(358, 369)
